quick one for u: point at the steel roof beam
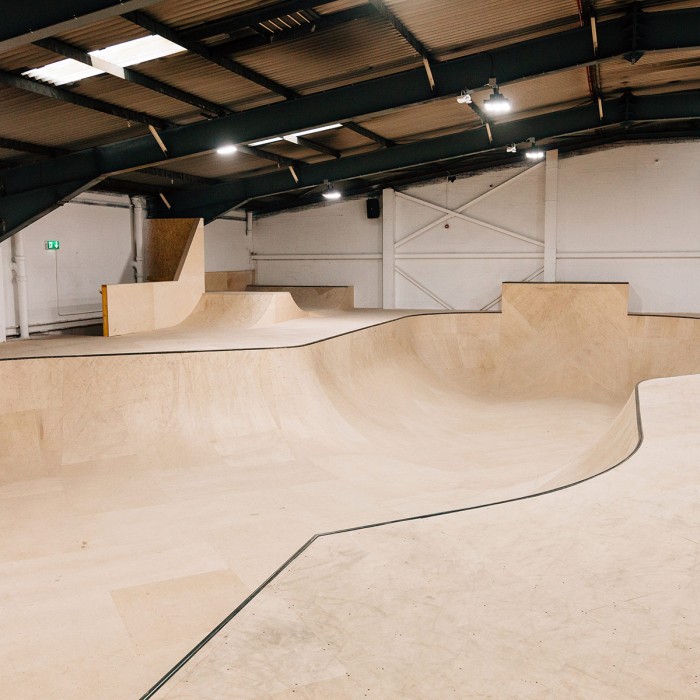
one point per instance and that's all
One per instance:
(214, 201)
(556, 52)
(26, 147)
(132, 76)
(26, 22)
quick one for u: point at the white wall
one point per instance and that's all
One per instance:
(341, 233)
(627, 213)
(63, 287)
(226, 246)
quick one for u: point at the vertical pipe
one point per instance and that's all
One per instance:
(388, 248)
(20, 268)
(3, 318)
(137, 209)
(551, 199)
(252, 264)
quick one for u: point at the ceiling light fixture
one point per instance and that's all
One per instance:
(465, 98)
(226, 150)
(496, 103)
(331, 192)
(534, 152)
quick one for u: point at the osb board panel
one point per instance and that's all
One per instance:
(165, 241)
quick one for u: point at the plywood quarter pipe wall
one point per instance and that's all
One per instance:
(314, 298)
(175, 259)
(146, 495)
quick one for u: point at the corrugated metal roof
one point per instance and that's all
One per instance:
(125, 94)
(658, 69)
(192, 73)
(423, 121)
(189, 13)
(52, 123)
(358, 51)
(102, 34)
(451, 23)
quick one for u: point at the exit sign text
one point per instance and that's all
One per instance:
(52, 245)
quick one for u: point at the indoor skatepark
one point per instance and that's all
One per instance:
(176, 484)
(349, 349)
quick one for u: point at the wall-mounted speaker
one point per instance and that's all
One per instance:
(373, 208)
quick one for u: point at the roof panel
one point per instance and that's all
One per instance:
(195, 74)
(359, 50)
(424, 120)
(455, 23)
(673, 70)
(49, 122)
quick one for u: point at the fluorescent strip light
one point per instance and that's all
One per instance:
(292, 137)
(128, 53)
(264, 142)
(317, 130)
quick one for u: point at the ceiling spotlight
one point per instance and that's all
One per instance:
(512, 148)
(226, 150)
(534, 152)
(496, 103)
(331, 192)
(465, 98)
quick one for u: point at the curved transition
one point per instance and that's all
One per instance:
(169, 486)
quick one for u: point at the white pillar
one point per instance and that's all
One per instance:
(20, 268)
(388, 248)
(3, 317)
(137, 210)
(551, 198)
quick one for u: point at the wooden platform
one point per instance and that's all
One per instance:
(145, 495)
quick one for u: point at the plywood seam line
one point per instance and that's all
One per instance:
(499, 298)
(151, 692)
(450, 214)
(469, 219)
(423, 289)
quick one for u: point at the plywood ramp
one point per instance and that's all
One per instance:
(174, 259)
(314, 298)
(586, 592)
(144, 496)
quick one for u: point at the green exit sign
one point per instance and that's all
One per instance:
(52, 245)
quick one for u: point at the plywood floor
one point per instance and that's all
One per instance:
(145, 496)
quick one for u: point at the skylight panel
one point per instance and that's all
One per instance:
(128, 53)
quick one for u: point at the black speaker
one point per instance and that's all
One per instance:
(373, 208)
